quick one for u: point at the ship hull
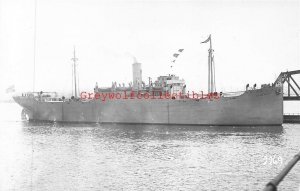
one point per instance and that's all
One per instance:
(254, 107)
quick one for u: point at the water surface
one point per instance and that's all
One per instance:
(62, 156)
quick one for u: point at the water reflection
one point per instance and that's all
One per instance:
(147, 156)
(153, 132)
(80, 156)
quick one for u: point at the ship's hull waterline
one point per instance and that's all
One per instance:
(254, 107)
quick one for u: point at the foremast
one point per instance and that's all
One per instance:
(74, 59)
(211, 67)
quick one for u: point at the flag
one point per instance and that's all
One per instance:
(176, 55)
(10, 89)
(206, 40)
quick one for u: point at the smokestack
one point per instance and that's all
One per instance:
(134, 59)
(137, 75)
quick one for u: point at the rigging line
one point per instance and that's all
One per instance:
(209, 82)
(34, 45)
(78, 81)
(211, 75)
(72, 79)
(214, 72)
(32, 150)
(33, 85)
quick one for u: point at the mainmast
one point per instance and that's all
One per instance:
(74, 59)
(211, 67)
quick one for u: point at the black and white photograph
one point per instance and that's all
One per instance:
(200, 95)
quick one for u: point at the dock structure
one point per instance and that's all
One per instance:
(292, 94)
(292, 85)
(291, 118)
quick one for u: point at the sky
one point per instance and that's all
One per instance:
(253, 42)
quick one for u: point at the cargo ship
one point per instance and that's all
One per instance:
(164, 101)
